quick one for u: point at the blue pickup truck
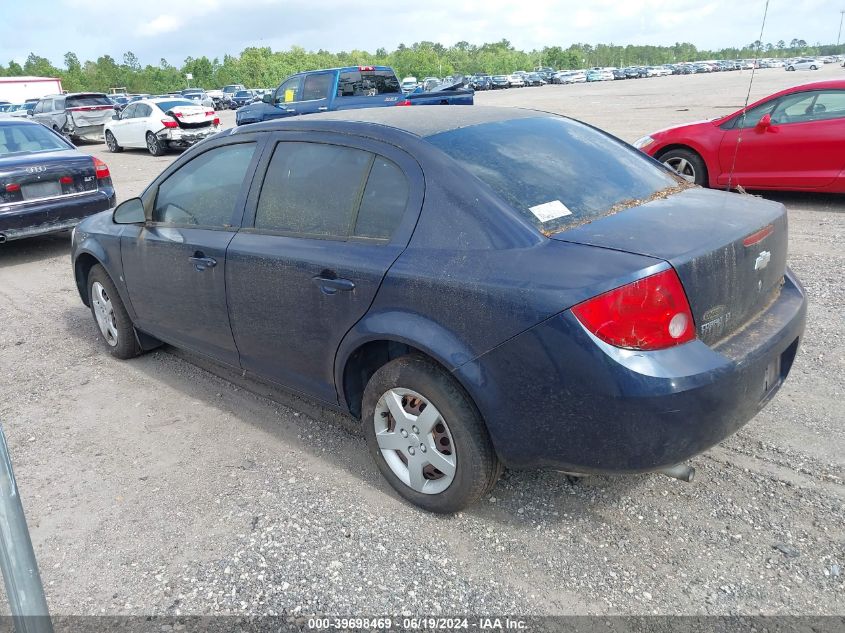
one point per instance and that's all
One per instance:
(344, 89)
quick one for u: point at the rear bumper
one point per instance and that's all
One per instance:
(556, 397)
(51, 216)
(184, 137)
(89, 132)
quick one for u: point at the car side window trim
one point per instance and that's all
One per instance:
(408, 165)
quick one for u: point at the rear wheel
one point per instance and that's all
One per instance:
(687, 163)
(110, 315)
(426, 435)
(154, 145)
(111, 142)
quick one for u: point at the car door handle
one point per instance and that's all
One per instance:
(331, 286)
(323, 109)
(201, 262)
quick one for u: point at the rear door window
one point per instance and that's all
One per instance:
(367, 83)
(312, 189)
(384, 201)
(317, 86)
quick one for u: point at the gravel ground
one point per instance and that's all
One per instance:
(157, 486)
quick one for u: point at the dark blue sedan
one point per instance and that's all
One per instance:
(481, 287)
(46, 184)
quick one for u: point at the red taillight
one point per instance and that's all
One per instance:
(101, 169)
(178, 115)
(216, 120)
(209, 113)
(648, 314)
(759, 236)
(366, 67)
(67, 180)
(13, 188)
(169, 123)
(404, 102)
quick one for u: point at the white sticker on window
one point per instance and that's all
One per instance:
(550, 211)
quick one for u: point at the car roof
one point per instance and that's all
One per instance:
(10, 122)
(419, 121)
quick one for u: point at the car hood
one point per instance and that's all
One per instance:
(688, 126)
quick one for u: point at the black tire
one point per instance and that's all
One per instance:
(813, 68)
(477, 468)
(697, 169)
(111, 142)
(126, 344)
(154, 145)
(790, 68)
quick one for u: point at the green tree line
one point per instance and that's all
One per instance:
(263, 67)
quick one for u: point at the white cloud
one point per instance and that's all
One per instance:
(159, 25)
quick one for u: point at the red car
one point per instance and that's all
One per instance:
(791, 140)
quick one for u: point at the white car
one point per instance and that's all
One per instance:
(516, 81)
(409, 84)
(804, 64)
(160, 123)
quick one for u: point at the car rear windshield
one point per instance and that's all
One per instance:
(23, 139)
(169, 105)
(80, 101)
(558, 173)
(367, 83)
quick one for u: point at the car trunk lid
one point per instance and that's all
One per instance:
(192, 116)
(729, 251)
(45, 175)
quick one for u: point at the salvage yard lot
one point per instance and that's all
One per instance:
(156, 486)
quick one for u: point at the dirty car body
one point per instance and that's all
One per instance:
(46, 184)
(602, 315)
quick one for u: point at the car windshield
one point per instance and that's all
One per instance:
(557, 172)
(26, 139)
(169, 105)
(243, 93)
(87, 100)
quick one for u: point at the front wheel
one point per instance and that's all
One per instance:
(426, 435)
(790, 68)
(110, 315)
(154, 145)
(689, 165)
(813, 68)
(111, 142)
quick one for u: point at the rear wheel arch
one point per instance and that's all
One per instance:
(367, 358)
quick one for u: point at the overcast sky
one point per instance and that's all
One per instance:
(153, 29)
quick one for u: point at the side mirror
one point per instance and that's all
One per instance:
(30, 112)
(129, 212)
(764, 123)
(115, 116)
(267, 97)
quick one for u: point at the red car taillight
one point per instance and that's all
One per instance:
(649, 314)
(101, 169)
(404, 102)
(169, 123)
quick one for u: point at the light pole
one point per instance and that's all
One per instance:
(841, 15)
